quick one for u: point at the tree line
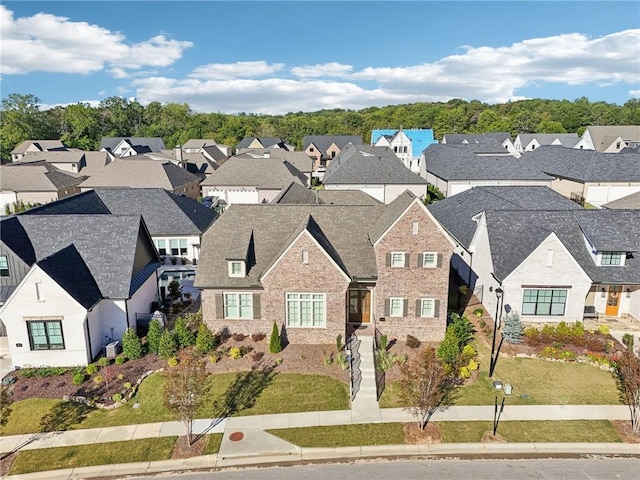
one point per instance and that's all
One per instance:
(82, 126)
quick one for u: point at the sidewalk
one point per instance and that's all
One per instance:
(305, 419)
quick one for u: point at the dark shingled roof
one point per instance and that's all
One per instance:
(629, 202)
(475, 138)
(585, 165)
(297, 194)
(513, 235)
(69, 270)
(357, 165)
(323, 142)
(155, 144)
(456, 213)
(265, 141)
(164, 213)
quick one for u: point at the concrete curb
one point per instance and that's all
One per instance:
(310, 455)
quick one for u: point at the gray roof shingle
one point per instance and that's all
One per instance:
(323, 142)
(629, 202)
(154, 144)
(263, 173)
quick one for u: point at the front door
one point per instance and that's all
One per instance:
(613, 301)
(359, 306)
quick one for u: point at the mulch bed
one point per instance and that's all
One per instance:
(413, 435)
(625, 432)
(182, 449)
(6, 463)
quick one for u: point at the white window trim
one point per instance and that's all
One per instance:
(403, 254)
(433, 307)
(242, 273)
(415, 227)
(433, 264)
(237, 295)
(324, 310)
(401, 300)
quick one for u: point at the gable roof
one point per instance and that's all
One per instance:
(299, 160)
(390, 214)
(164, 213)
(453, 162)
(198, 143)
(64, 156)
(456, 213)
(323, 142)
(67, 268)
(629, 202)
(475, 138)
(420, 138)
(297, 194)
(42, 145)
(603, 135)
(109, 257)
(566, 139)
(141, 173)
(266, 142)
(154, 144)
(585, 165)
(38, 176)
(358, 165)
(262, 173)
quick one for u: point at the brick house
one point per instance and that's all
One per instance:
(320, 270)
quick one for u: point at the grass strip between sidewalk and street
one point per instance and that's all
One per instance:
(452, 432)
(213, 444)
(148, 449)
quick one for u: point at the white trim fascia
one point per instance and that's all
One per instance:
(305, 231)
(552, 234)
(480, 220)
(429, 214)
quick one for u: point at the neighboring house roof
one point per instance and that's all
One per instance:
(215, 153)
(65, 156)
(390, 214)
(262, 173)
(109, 257)
(631, 202)
(456, 213)
(266, 142)
(357, 165)
(585, 165)
(471, 138)
(603, 136)
(566, 139)
(297, 194)
(94, 162)
(196, 163)
(141, 174)
(198, 143)
(300, 160)
(452, 162)
(420, 138)
(514, 235)
(323, 142)
(164, 213)
(154, 144)
(42, 145)
(38, 176)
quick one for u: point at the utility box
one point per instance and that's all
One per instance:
(112, 349)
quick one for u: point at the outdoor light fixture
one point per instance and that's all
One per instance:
(604, 293)
(499, 293)
(628, 293)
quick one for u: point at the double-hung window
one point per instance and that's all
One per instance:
(544, 302)
(611, 258)
(430, 259)
(306, 310)
(162, 247)
(397, 259)
(46, 335)
(396, 307)
(175, 247)
(238, 305)
(4, 266)
(427, 307)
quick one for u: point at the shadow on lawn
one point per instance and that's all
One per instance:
(60, 418)
(241, 394)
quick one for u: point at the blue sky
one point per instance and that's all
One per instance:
(276, 57)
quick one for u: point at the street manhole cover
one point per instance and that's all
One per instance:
(236, 436)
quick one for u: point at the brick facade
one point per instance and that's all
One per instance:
(413, 282)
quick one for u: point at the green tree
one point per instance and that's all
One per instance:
(512, 330)
(167, 346)
(81, 127)
(131, 345)
(626, 371)
(183, 333)
(275, 342)
(153, 336)
(19, 121)
(205, 340)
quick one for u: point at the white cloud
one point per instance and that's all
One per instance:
(49, 106)
(48, 43)
(634, 93)
(332, 69)
(486, 73)
(229, 71)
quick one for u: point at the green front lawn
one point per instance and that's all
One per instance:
(534, 381)
(232, 394)
(43, 459)
(343, 435)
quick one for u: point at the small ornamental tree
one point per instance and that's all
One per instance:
(205, 340)
(427, 386)
(153, 335)
(512, 331)
(131, 345)
(175, 290)
(626, 371)
(167, 347)
(275, 344)
(183, 333)
(185, 390)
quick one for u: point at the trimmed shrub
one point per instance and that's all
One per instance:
(78, 378)
(131, 345)
(183, 333)
(235, 353)
(412, 342)
(238, 337)
(92, 368)
(103, 362)
(153, 336)
(256, 337)
(117, 397)
(603, 329)
(257, 356)
(98, 379)
(628, 340)
(275, 343)
(167, 346)
(205, 340)
(513, 330)
(172, 362)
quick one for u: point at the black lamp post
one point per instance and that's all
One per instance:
(494, 352)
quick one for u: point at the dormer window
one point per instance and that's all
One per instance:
(236, 268)
(612, 258)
